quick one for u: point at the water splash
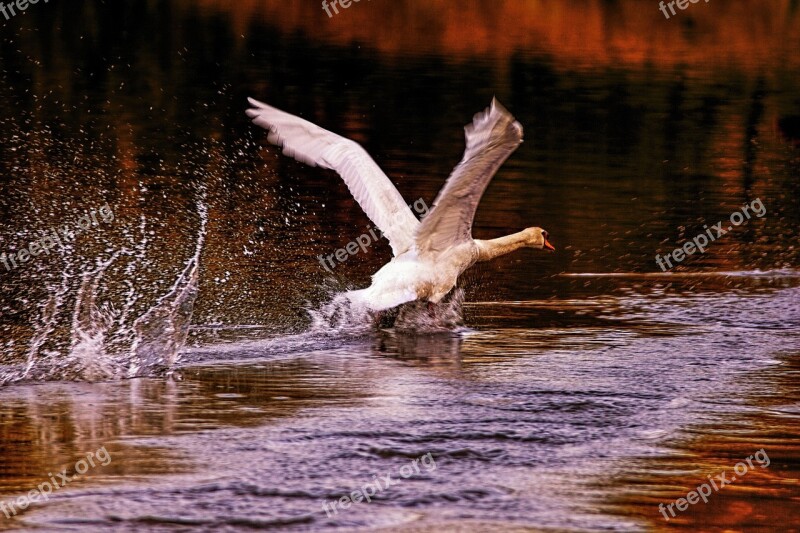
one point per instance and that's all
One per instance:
(343, 314)
(87, 358)
(47, 322)
(161, 332)
(420, 317)
(106, 343)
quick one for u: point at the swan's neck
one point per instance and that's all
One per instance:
(488, 250)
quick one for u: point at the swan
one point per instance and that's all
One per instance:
(431, 254)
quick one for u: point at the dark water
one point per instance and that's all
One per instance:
(587, 387)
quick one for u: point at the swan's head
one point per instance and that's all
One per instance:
(537, 238)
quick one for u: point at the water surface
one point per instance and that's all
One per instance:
(587, 387)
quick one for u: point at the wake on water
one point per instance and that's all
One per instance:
(159, 335)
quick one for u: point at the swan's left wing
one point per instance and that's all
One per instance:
(371, 188)
(491, 138)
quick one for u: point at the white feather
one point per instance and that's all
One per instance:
(371, 188)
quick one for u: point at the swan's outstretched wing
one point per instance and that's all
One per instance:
(315, 146)
(491, 138)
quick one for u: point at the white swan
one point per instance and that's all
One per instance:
(430, 255)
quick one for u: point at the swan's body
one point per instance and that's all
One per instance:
(429, 256)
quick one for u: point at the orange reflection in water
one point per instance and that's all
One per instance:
(764, 498)
(627, 32)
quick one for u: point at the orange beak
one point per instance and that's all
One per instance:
(548, 246)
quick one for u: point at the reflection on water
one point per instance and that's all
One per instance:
(589, 386)
(619, 405)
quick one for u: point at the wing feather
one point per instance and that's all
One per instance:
(370, 187)
(490, 139)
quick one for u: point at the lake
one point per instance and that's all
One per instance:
(170, 350)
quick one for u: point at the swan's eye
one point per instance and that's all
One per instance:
(544, 234)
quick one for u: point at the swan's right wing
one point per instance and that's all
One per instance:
(491, 138)
(371, 188)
